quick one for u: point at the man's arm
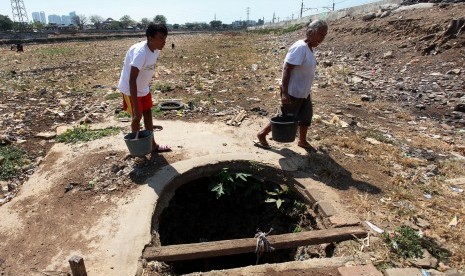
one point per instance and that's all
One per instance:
(285, 99)
(137, 114)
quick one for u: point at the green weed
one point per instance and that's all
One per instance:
(279, 31)
(157, 112)
(84, 134)
(56, 51)
(163, 87)
(199, 86)
(405, 241)
(11, 161)
(123, 114)
(113, 96)
(293, 28)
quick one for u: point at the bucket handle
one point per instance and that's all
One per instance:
(288, 114)
(137, 136)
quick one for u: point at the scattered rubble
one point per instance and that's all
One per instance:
(389, 109)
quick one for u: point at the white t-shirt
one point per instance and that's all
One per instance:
(140, 56)
(300, 83)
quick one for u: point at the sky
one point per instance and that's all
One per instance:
(182, 11)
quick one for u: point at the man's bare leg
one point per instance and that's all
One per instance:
(262, 135)
(148, 122)
(303, 137)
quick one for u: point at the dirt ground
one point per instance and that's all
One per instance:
(388, 128)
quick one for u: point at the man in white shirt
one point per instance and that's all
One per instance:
(137, 72)
(298, 74)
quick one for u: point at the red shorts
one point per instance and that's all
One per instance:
(145, 103)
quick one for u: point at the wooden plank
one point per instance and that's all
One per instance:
(239, 246)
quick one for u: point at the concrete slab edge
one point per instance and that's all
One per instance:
(326, 209)
(281, 267)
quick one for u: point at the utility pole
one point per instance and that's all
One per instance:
(274, 17)
(248, 12)
(301, 8)
(19, 13)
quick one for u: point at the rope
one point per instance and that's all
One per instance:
(263, 245)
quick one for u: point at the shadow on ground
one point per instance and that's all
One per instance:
(322, 167)
(146, 167)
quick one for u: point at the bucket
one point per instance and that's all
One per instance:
(141, 146)
(283, 129)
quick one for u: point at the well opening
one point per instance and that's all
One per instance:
(228, 203)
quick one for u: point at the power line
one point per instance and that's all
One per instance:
(302, 9)
(329, 8)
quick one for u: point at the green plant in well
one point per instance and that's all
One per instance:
(253, 187)
(299, 207)
(297, 229)
(225, 182)
(278, 196)
(405, 241)
(256, 165)
(84, 134)
(11, 160)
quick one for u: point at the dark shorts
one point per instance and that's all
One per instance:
(301, 109)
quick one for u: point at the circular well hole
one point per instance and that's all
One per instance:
(232, 204)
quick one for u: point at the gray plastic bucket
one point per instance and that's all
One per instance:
(141, 146)
(283, 129)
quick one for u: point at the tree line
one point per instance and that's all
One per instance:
(82, 22)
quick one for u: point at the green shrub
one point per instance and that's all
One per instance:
(84, 134)
(405, 241)
(12, 160)
(163, 87)
(113, 96)
(123, 114)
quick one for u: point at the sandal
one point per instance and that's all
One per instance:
(262, 145)
(307, 147)
(161, 148)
